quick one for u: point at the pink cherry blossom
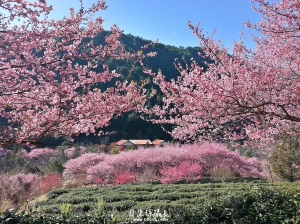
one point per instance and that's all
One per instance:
(19, 187)
(247, 94)
(43, 90)
(80, 165)
(185, 171)
(71, 152)
(189, 162)
(38, 153)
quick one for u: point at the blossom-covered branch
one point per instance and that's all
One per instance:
(248, 94)
(43, 89)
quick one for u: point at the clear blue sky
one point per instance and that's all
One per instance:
(166, 20)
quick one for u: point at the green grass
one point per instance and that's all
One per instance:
(185, 203)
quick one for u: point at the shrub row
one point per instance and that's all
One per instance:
(181, 203)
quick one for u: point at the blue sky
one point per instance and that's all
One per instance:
(166, 20)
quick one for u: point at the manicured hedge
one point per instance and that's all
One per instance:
(183, 203)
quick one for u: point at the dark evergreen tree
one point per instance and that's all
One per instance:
(285, 160)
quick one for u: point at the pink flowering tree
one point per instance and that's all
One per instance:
(40, 157)
(246, 94)
(19, 187)
(124, 178)
(74, 152)
(186, 171)
(39, 153)
(76, 168)
(169, 164)
(43, 91)
(50, 182)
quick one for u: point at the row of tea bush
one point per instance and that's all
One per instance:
(180, 203)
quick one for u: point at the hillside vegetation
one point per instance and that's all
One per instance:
(195, 187)
(180, 203)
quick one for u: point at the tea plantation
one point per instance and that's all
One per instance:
(177, 203)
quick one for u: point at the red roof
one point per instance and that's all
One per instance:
(157, 141)
(121, 142)
(141, 142)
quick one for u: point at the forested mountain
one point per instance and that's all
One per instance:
(130, 125)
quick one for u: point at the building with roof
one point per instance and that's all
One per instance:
(124, 143)
(141, 142)
(159, 142)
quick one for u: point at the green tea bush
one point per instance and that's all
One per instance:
(259, 205)
(183, 203)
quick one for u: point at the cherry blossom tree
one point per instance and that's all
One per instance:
(38, 153)
(43, 89)
(74, 152)
(169, 163)
(247, 94)
(79, 165)
(19, 187)
(50, 182)
(185, 171)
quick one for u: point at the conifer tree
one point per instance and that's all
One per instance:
(285, 160)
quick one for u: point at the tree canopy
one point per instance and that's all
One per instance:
(51, 70)
(245, 95)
